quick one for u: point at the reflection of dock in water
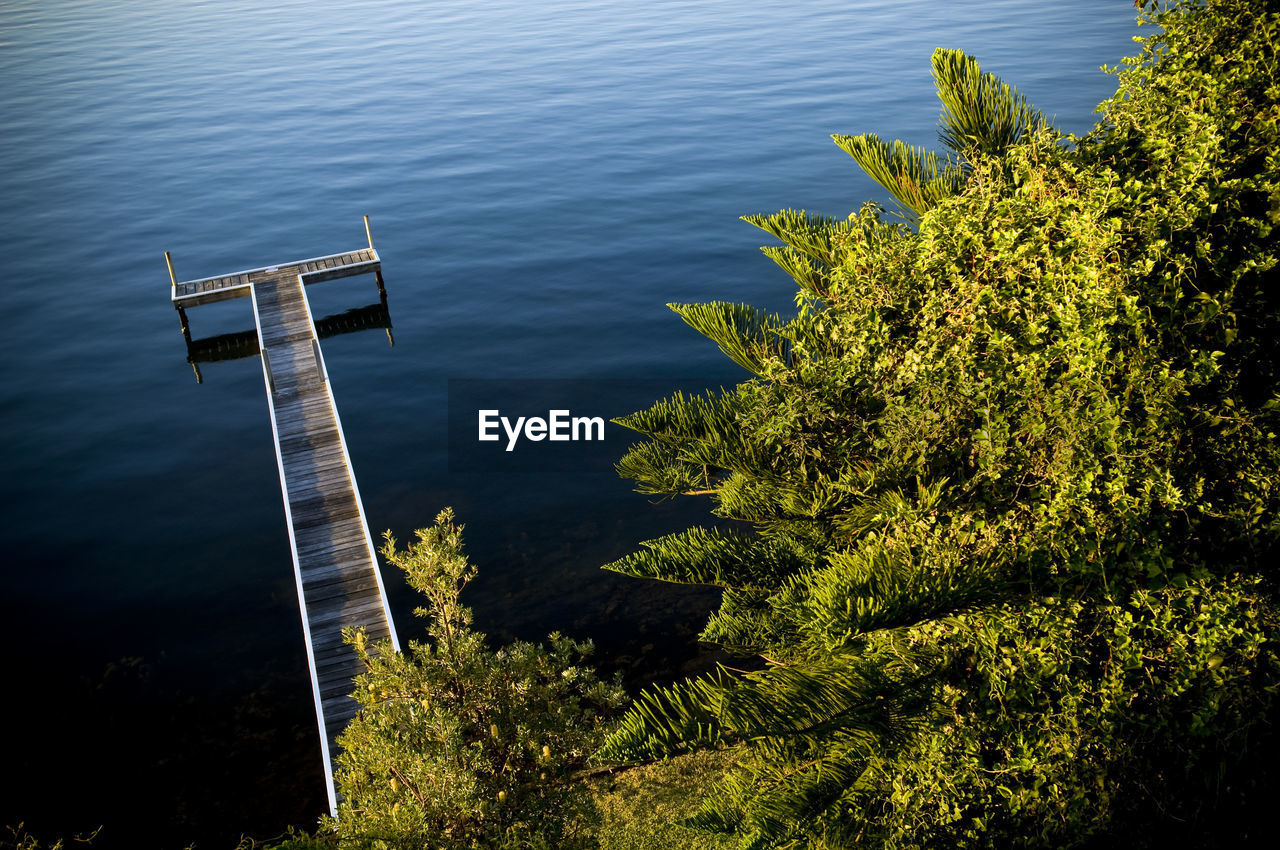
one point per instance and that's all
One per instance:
(334, 558)
(236, 346)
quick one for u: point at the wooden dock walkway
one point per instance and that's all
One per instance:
(334, 557)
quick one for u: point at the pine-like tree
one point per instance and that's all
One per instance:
(997, 504)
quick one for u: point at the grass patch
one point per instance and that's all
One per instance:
(639, 808)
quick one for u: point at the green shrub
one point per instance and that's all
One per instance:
(1005, 494)
(458, 745)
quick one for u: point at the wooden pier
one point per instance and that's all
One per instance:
(334, 558)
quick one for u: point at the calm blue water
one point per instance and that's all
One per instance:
(542, 177)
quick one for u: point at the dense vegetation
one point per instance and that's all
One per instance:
(999, 505)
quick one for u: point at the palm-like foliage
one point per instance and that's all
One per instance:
(915, 177)
(967, 485)
(981, 117)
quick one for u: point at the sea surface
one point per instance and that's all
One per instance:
(541, 177)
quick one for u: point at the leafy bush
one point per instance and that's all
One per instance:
(1007, 488)
(458, 745)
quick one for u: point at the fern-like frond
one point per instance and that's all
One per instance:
(683, 417)
(877, 509)
(707, 440)
(805, 704)
(747, 335)
(665, 721)
(981, 115)
(807, 272)
(787, 807)
(875, 588)
(810, 729)
(818, 237)
(721, 809)
(808, 702)
(769, 812)
(915, 177)
(751, 498)
(744, 622)
(710, 556)
(659, 469)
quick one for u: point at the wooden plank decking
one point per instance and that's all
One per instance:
(334, 558)
(206, 290)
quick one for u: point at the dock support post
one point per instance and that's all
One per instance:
(382, 297)
(377, 273)
(182, 314)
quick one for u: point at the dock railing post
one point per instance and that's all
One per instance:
(182, 314)
(377, 273)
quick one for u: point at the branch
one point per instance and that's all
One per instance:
(407, 784)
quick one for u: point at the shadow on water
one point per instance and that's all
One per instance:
(242, 344)
(238, 345)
